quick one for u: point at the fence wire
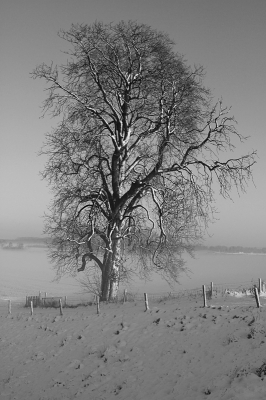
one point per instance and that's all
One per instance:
(221, 294)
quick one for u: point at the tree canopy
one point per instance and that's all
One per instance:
(135, 158)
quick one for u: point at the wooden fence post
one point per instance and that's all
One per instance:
(31, 308)
(60, 306)
(9, 306)
(125, 295)
(211, 289)
(260, 286)
(257, 298)
(204, 296)
(98, 304)
(146, 302)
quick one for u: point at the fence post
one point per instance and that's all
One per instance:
(211, 289)
(204, 296)
(60, 307)
(125, 295)
(65, 301)
(9, 306)
(259, 285)
(98, 304)
(146, 301)
(257, 297)
(31, 308)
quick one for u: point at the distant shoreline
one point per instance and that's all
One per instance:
(237, 250)
(232, 249)
(239, 254)
(26, 242)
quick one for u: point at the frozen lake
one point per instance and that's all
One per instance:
(26, 272)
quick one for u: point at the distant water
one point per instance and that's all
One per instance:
(26, 272)
(206, 267)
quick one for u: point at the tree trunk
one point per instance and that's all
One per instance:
(111, 270)
(105, 284)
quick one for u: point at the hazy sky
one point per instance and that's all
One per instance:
(227, 37)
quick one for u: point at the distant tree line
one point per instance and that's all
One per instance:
(29, 241)
(233, 249)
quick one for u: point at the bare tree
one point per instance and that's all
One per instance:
(133, 162)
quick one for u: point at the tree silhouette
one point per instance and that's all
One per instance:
(133, 162)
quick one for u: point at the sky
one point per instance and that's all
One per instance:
(227, 37)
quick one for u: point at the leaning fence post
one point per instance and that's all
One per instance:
(31, 308)
(257, 297)
(9, 306)
(146, 301)
(211, 289)
(98, 304)
(204, 295)
(125, 295)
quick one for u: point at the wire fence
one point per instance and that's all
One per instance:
(216, 294)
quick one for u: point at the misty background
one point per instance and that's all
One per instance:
(227, 37)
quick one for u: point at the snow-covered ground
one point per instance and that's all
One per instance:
(177, 350)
